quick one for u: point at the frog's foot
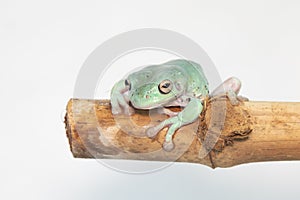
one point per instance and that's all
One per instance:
(235, 99)
(152, 132)
(242, 98)
(174, 123)
(119, 105)
(168, 146)
(116, 110)
(188, 115)
(228, 89)
(232, 96)
(119, 99)
(126, 109)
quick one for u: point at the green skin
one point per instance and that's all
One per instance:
(174, 83)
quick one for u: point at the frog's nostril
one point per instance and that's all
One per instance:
(147, 96)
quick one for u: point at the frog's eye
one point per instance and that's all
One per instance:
(127, 83)
(165, 87)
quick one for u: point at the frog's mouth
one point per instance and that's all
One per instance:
(138, 105)
(151, 104)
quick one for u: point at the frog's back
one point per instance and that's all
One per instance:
(197, 82)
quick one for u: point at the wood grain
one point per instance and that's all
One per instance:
(250, 132)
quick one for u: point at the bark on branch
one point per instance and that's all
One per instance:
(250, 132)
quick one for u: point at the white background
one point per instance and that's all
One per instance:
(42, 47)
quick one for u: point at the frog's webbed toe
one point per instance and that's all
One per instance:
(234, 99)
(232, 96)
(119, 99)
(122, 109)
(229, 89)
(151, 132)
(116, 109)
(120, 105)
(168, 146)
(189, 114)
(242, 98)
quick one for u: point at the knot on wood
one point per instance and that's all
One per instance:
(222, 123)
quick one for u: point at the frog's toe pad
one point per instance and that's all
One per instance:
(151, 132)
(242, 98)
(168, 146)
(234, 101)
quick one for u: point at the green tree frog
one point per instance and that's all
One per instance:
(174, 83)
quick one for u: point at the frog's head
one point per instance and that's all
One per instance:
(156, 93)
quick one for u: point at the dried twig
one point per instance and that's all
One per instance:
(252, 132)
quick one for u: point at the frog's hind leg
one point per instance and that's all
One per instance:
(230, 89)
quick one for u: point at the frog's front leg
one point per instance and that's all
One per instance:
(230, 88)
(189, 114)
(119, 100)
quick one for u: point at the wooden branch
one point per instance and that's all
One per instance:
(250, 132)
